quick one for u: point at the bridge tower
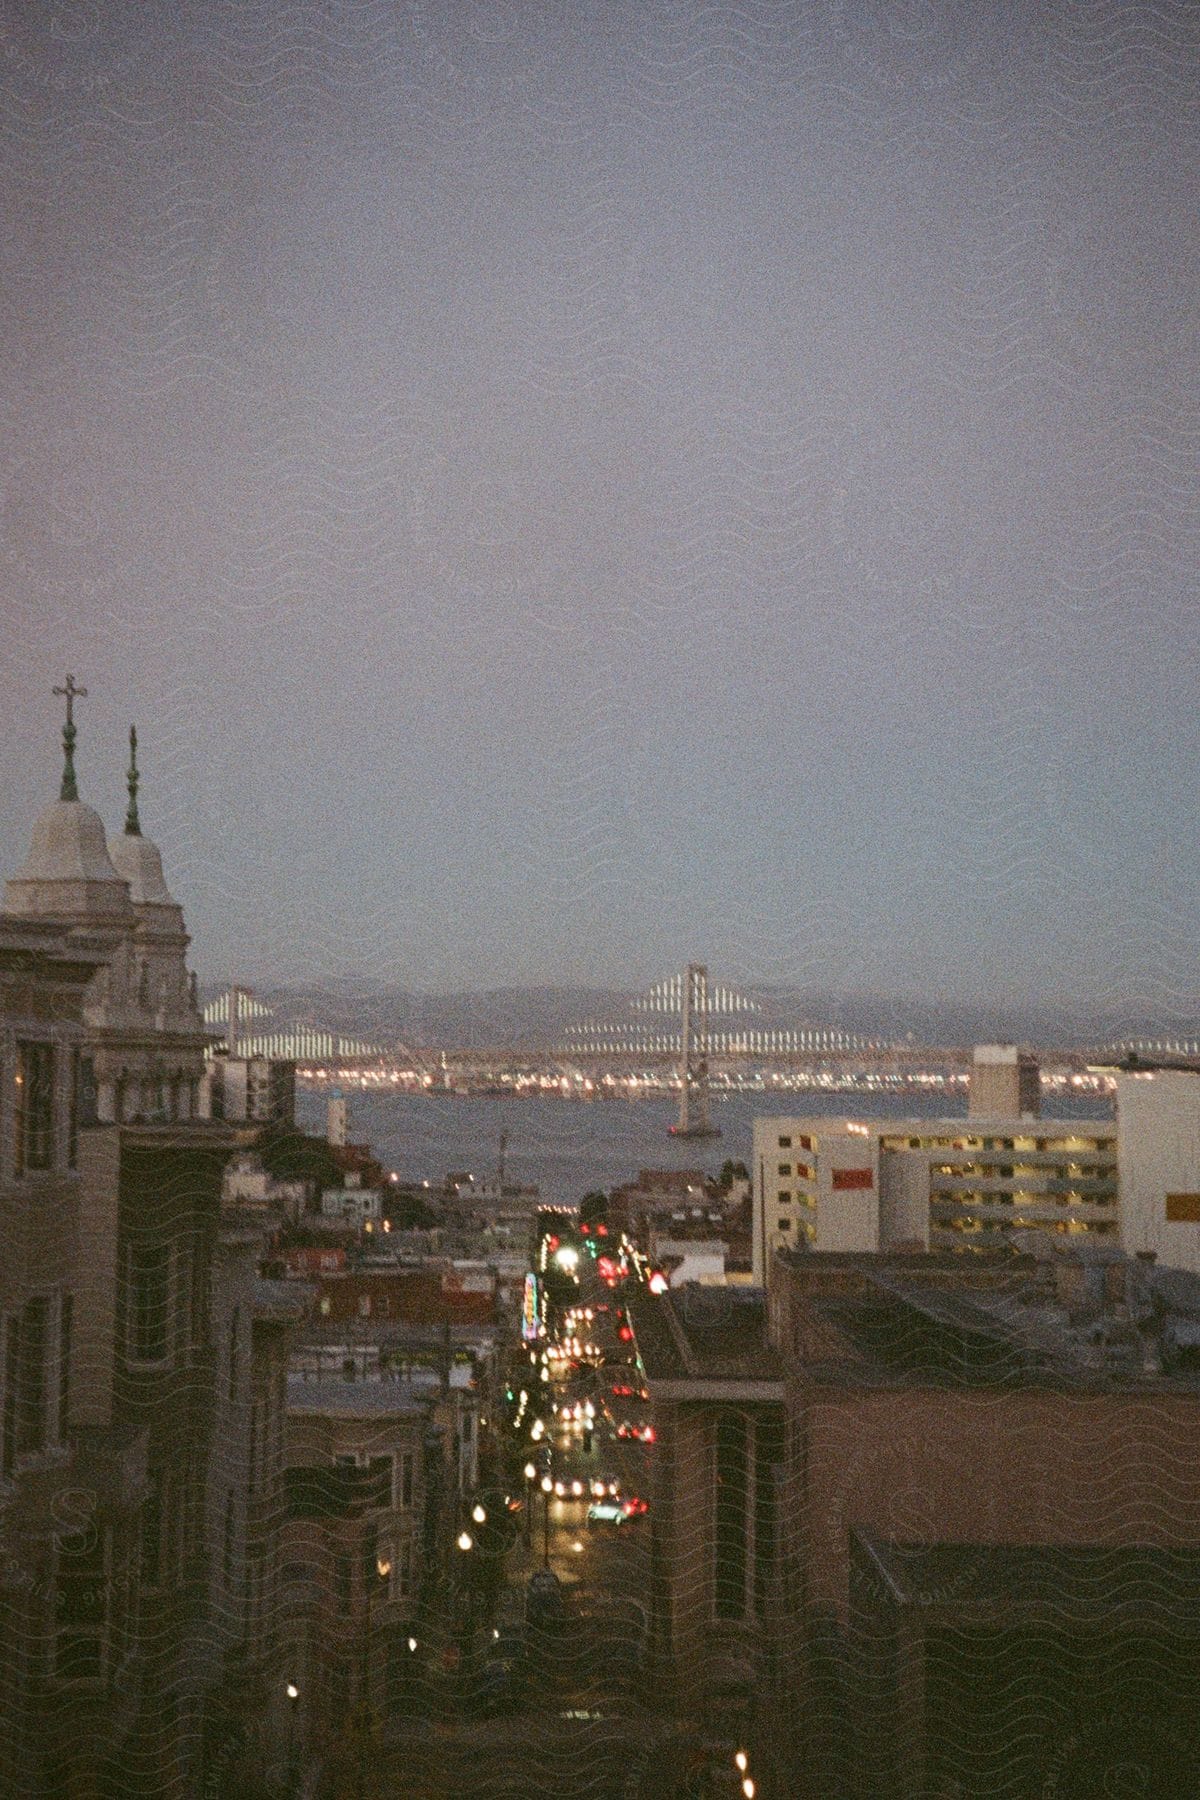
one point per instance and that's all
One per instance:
(694, 1121)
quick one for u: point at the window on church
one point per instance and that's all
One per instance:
(88, 1095)
(234, 1351)
(82, 1606)
(34, 1120)
(65, 1312)
(152, 1531)
(149, 1293)
(73, 1114)
(32, 1373)
(730, 1536)
(12, 1360)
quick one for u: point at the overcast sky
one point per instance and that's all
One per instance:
(563, 489)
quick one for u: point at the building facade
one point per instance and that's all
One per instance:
(115, 1644)
(1005, 1083)
(850, 1185)
(1158, 1118)
(1006, 1400)
(360, 1516)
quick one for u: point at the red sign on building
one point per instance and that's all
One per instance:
(853, 1178)
(315, 1260)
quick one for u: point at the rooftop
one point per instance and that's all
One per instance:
(1102, 1582)
(355, 1399)
(823, 1125)
(695, 1333)
(917, 1320)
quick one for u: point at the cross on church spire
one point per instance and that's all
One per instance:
(132, 823)
(70, 693)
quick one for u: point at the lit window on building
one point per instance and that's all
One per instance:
(33, 1123)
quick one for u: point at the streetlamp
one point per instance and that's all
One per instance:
(530, 1478)
(547, 1489)
(293, 1696)
(383, 1569)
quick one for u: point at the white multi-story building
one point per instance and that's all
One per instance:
(353, 1204)
(1158, 1128)
(884, 1184)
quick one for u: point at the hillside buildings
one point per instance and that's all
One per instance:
(250, 1090)
(358, 1508)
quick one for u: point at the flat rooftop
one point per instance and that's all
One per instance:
(851, 1125)
(355, 1399)
(1105, 1583)
(696, 1333)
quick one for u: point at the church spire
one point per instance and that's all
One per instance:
(70, 694)
(132, 823)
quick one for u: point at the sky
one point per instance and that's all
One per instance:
(567, 489)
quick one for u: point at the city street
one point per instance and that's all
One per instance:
(583, 1719)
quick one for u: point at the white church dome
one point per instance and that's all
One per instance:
(68, 872)
(139, 862)
(68, 845)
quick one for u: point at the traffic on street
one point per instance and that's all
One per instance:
(549, 1685)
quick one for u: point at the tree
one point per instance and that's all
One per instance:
(731, 1172)
(409, 1211)
(593, 1209)
(288, 1155)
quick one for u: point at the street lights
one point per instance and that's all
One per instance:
(383, 1569)
(293, 1697)
(547, 1490)
(530, 1478)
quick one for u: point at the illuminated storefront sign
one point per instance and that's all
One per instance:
(531, 1323)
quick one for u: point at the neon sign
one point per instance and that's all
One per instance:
(531, 1322)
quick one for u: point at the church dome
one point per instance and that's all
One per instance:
(68, 870)
(68, 845)
(139, 862)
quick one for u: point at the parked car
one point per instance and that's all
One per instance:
(607, 1512)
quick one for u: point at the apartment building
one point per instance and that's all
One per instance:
(925, 1399)
(247, 1652)
(993, 1669)
(359, 1531)
(716, 1385)
(1005, 1401)
(1005, 1083)
(843, 1184)
(1158, 1128)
